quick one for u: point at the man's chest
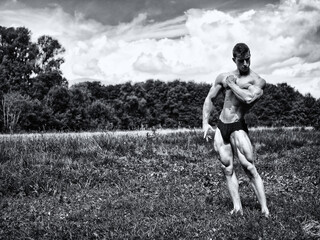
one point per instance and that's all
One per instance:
(245, 82)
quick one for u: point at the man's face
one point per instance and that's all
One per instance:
(243, 62)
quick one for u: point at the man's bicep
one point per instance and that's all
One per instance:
(215, 90)
(256, 91)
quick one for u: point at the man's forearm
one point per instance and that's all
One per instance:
(207, 109)
(243, 95)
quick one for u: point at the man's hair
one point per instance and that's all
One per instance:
(240, 49)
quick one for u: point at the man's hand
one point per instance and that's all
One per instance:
(231, 80)
(206, 129)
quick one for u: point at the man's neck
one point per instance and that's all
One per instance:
(244, 74)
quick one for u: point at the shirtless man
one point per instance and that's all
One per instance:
(242, 88)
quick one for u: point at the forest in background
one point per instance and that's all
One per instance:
(36, 97)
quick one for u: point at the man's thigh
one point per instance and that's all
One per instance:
(242, 144)
(223, 149)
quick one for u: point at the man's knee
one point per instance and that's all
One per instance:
(250, 170)
(227, 170)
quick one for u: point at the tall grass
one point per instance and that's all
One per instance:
(154, 186)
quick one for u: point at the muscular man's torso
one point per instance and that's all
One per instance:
(233, 109)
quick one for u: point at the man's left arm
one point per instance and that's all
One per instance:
(247, 95)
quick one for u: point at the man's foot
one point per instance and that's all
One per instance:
(266, 213)
(236, 211)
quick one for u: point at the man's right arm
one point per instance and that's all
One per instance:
(208, 105)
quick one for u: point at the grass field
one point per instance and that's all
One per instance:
(154, 186)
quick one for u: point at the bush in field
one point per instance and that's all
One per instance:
(316, 126)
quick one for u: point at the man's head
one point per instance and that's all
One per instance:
(241, 57)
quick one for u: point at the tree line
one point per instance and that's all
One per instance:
(36, 97)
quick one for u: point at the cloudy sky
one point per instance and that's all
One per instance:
(116, 41)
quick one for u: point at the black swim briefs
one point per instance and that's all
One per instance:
(227, 128)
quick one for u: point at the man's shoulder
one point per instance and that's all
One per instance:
(223, 76)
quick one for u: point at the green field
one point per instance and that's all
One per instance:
(154, 186)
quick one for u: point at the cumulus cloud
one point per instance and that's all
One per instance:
(151, 64)
(283, 38)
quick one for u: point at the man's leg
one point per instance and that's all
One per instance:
(245, 154)
(226, 158)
